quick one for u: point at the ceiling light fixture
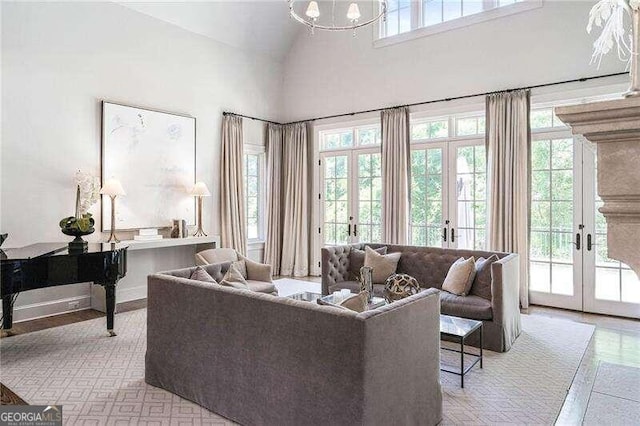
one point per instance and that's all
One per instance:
(353, 15)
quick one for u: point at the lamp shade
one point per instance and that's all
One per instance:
(112, 187)
(200, 190)
(312, 10)
(353, 13)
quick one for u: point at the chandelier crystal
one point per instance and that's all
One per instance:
(350, 22)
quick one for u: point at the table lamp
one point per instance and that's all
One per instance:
(112, 188)
(200, 190)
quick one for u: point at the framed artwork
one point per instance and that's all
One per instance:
(153, 154)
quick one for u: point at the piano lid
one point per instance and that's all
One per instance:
(54, 249)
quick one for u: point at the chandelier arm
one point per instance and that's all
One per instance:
(303, 21)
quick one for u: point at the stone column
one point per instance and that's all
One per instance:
(614, 126)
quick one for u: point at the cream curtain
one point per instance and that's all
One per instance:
(232, 214)
(273, 243)
(396, 160)
(294, 202)
(508, 143)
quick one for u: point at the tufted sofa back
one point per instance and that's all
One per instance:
(429, 265)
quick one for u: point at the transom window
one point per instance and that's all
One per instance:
(404, 16)
(355, 137)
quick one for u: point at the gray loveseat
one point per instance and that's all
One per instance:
(499, 309)
(260, 359)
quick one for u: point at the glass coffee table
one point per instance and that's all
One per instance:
(306, 296)
(337, 298)
(460, 329)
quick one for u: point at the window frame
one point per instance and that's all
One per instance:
(418, 30)
(260, 151)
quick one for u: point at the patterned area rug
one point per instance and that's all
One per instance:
(100, 380)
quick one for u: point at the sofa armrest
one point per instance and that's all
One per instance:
(257, 271)
(335, 266)
(505, 295)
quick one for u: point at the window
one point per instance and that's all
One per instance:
(432, 16)
(361, 136)
(253, 194)
(544, 118)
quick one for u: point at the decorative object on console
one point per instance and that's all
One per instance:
(399, 286)
(112, 188)
(179, 228)
(149, 234)
(609, 14)
(200, 190)
(312, 14)
(153, 154)
(3, 237)
(366, 280)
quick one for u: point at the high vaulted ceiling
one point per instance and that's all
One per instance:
(262, 26)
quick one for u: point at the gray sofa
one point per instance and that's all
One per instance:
(499, 309)
(259, 359)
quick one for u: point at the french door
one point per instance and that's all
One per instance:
(448, 194)
(351, 196)
(569, 267)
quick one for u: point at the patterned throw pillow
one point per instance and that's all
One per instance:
(460, 276)
(482, 283)
(356, 261)
(242, 267)
(384, 265)
(200, 274)
(234, 278)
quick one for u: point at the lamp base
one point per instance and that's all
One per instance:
(199, 233)
(113, 238)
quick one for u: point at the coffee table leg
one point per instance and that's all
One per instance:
(462, 362)
(481, 344)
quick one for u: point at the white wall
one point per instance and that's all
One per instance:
(58, 61)
(329, 73)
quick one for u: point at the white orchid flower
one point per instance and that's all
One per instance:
(609, 15)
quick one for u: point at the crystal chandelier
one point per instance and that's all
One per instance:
(352, 21)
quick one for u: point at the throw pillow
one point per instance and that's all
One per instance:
(460, 276)
(357, 302)
(384, 265)
(200, 274)
(234, 278)
(482, 283)
(356, 261)
(242, 267)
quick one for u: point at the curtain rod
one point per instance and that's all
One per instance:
(249, 117)
(455, 98)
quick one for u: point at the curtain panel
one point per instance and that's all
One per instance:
(273, 237)
(396, 161)
(508, 143)
(232, 214)
(295, 202)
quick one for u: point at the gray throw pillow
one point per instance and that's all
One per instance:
(234, 278)
(356, 261)
(384, 265)
(460, 277)
(482, 283)
(242, 267)
(200, 274)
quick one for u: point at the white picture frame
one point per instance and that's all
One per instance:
(153, 154)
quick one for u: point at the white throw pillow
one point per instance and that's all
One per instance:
(234, 278)
(384, 265)
(460, 276)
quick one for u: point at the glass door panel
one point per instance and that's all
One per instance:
(369, 203)
(335, 180)
(428, 196)
(611, 287)
(556, 194)
(470, 201)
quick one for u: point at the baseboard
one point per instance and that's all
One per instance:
(122, 295)
(54, 307)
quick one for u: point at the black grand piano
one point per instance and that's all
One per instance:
(51, 264)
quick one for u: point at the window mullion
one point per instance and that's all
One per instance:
(416, 14)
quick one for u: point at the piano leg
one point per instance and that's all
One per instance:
(110, 296)
(7, 313)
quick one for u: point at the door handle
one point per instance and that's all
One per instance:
(453, 235)
(349, 229)
(355, 230)
(577, 243)
(589, 242)
(444, 234)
